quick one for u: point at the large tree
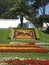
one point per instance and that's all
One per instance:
(20, 8)
(44, 19)
(40, 5)
(12, 9)
(5, 5)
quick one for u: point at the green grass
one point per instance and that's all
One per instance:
(44, 37)
(4, 33)
(25, 55)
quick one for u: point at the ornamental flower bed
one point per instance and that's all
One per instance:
(31, 43)
(25, 34)
(17, 44)
(24, 62)
(22, 48)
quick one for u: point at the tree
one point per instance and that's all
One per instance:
(38, 21)
(13, 9)
(44, 19)
(40, 5)
(21, 9)
(5, 5)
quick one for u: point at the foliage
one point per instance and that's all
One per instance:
(20, 8)
(44, 18)
(35, 21)
(10, 33)
(12, 9)
(47, 30)
(37, 33)
(5, 6)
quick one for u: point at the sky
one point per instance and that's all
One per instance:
(47, 9)
(5, 23)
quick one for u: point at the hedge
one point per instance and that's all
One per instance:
(10, 33)
(37, 33)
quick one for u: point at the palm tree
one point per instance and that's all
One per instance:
(5, 5)
(21, 9)
(15, 8)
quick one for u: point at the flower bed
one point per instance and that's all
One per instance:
(25, 34)
(31, 43)
(22, 33)
(22, 48)
(17, 44)
(24, 62)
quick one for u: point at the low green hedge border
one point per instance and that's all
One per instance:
(37, 33)
(10, 33)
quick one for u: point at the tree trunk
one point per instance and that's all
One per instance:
(21, 19)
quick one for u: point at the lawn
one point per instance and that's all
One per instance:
(4, 33)
(25, 55)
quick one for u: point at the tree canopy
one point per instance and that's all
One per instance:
(13, 9)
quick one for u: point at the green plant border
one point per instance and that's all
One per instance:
(11, 33)
(37, 33)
